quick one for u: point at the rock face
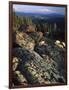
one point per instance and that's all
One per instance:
(37, 70)
(24, 40)
(57, 54)
(36, 59)
(36, 36)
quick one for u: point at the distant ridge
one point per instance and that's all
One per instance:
(39, 14)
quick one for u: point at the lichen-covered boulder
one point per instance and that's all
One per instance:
(24, 40)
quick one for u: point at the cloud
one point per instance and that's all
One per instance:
(43, 10)
(19, 9)
(29, 8)
(38, 9)
(49, 10)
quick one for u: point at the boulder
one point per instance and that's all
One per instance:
(24, 40)
(36, 36)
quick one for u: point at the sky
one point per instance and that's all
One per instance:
(38, 9)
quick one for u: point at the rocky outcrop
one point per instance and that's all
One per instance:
(36, 36)
(24, 40)
(36, 60)
(37, 70)
(57, 54)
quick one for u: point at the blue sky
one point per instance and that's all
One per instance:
(38, 9)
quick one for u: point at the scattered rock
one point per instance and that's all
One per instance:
(63, 43)
(15, 63)
(60, 44)
(15, 59)
(20, 78)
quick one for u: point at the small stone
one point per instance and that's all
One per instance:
(63, 43)
(47, 82)
(47, 75)
(33, 72)
(14, 66)
(36, 75)
(57, 41)
(30, 68)
(15, 62)
(20, 77)
(15, 59)
(17, 72)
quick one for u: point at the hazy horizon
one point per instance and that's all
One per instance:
(38, 9)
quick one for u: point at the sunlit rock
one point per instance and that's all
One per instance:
(31, 28)
(15, 59)
(42, 43)
(25, 41)
(63, 43)
(58, 43)
(36, 36)
(15, 63)
(20, 78)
